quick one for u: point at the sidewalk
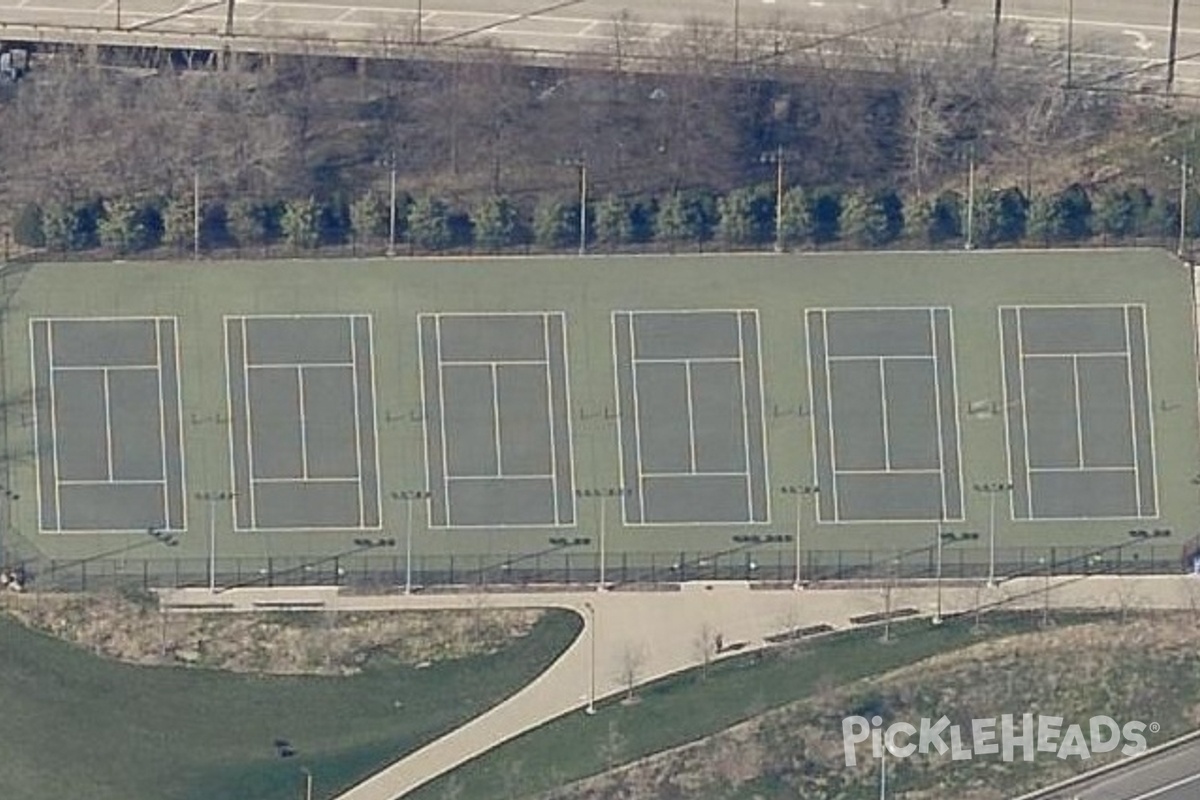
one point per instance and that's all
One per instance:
(664, 632)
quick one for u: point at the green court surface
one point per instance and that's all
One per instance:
(320, 391)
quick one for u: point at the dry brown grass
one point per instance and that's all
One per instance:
(1146, 670)
(276, 643)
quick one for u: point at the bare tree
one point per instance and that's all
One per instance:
(633, 659)
(705, 647)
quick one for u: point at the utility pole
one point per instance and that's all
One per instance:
(996, 31)
(1172, 47)
(1070, 41)
(737, 14)
(1183, 197)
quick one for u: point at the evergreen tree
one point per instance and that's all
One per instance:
(736, 218)
(121, 226)
(179, 222)
(369, 218)
(613, 223)
(429, 224)
(301, 223)
(495, 222)
(249, 222)
(796, 224)
(671, 222)
(553, 228)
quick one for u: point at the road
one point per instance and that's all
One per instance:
(1126, 34)
(1172, 775)
(665, 630)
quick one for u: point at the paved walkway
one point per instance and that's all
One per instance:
(664, 632)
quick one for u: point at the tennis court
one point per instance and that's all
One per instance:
(302, 413)
(690, 412)
(1078, 412)
(107, 424)
(885, 424)
(497, 419)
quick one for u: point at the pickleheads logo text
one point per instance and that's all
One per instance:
(1028, 734)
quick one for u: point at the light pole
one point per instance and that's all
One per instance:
(591, 706)
(777, 157)
(601, 494)
(212, 498)
(391, 249)
(407, 496)
(1045, 562)
(581, 163)
(308, 783)
(992, 489)
(945, 538)
(799, 493)
(970, 242)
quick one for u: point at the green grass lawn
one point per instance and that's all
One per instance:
(689, 706)
(74, 725)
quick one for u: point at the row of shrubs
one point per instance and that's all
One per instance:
(743, 218)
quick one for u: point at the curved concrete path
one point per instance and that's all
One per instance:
(664, 632)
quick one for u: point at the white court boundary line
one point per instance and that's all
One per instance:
(1149, 406)
(349, 320)
(545, 317)
(634, 360)
(957, 426)
(1125, 309)
(154, 323)
(931, 313)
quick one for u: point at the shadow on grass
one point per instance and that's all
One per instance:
(75, 725)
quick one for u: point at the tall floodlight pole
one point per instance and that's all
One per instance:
(582, 207)
(408, 496)
(1173, 45)
(212, 498)
(737, 14)
(391, 251)
(992, 489)
(602, 494)
(970, 243)
(937, 614)
(1070, 41)
(1183, 198)
(996, 30)
(196, 214)
(779, 199)
(799, 493)
(591, 706)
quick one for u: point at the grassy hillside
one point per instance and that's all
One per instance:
(76, 725)
(1147, 670)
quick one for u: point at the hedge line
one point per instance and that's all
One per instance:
(743, 218)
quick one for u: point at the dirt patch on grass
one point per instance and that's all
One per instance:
(133, 630)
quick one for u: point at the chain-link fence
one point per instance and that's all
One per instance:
(383, 572)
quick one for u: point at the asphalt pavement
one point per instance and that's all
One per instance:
(1115, 35)
(1172, 775)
